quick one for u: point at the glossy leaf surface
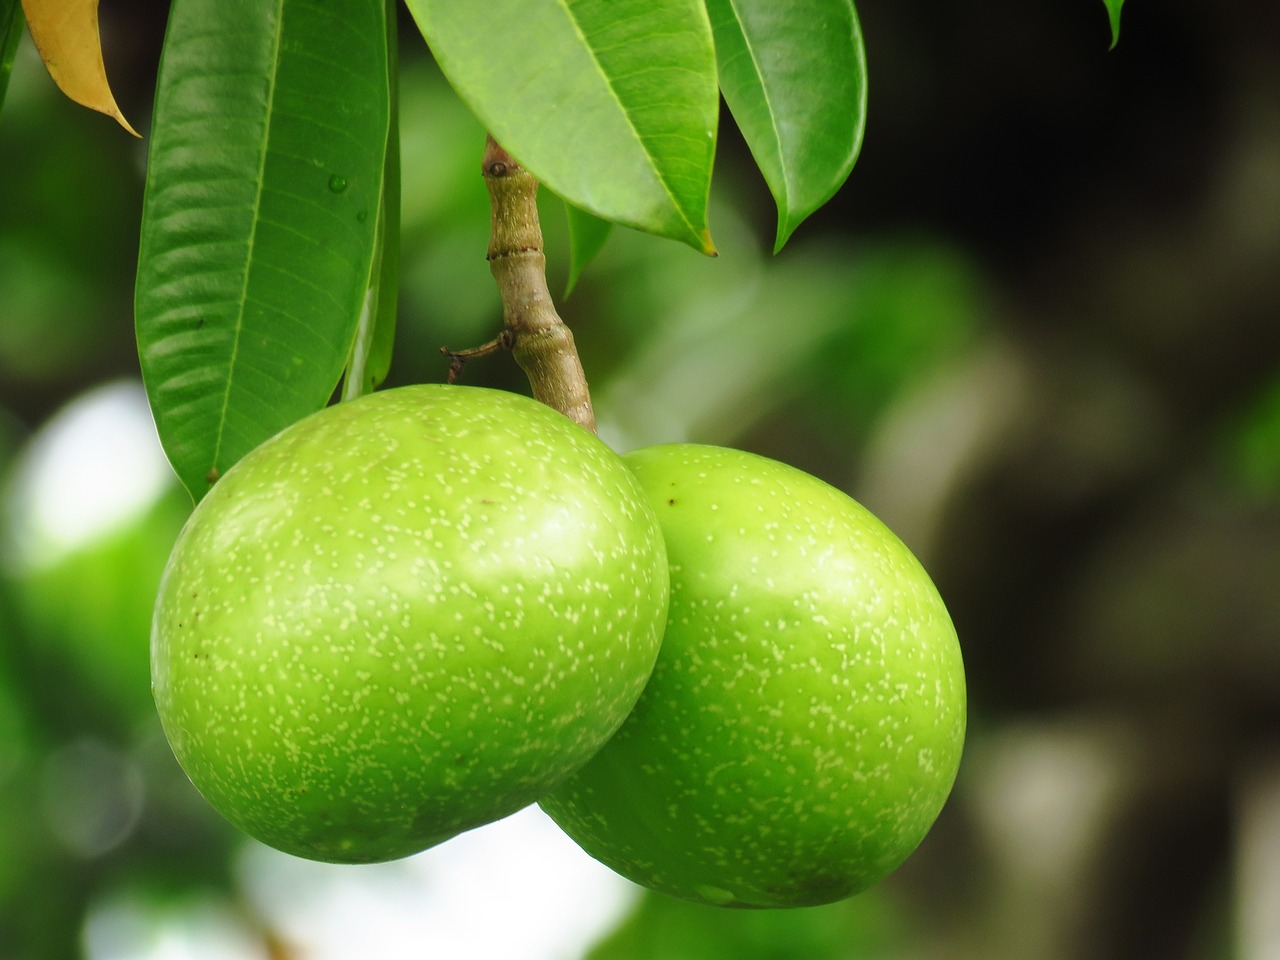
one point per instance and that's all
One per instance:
(66, 34)
(612, 105)
(795, 78)
(260, 219)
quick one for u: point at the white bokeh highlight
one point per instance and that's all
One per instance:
(516, 888)
(96, 465)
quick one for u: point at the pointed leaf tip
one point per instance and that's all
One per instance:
(804, 136)
(1113, 13)
(66, 35)
(638, 145)
(708, 245)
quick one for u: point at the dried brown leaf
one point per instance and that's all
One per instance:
(66, 34)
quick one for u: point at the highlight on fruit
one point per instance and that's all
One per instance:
(804, 724)
(405, 616)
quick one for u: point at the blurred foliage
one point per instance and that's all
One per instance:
(863, 929)
(1255, 442)
(104, 633)
(68, 241)
(1037, 333)
(10, 35)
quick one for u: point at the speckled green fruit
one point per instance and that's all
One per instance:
(403, 617)
(804, 723)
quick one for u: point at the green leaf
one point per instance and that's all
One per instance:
(794, 76)
(370, 359)
(10, 34)
(587, 236)
(612, 105)
(259, 223)
(1113, 11)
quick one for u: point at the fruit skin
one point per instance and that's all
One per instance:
(403, 617)
(804, 723)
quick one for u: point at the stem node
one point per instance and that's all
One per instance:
(458, 358)
(532, 329)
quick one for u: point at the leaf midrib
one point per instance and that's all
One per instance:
(253, 232)
(626, 116)
(768, 99)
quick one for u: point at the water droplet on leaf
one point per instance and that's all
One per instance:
(337, 184)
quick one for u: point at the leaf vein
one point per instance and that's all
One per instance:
(253, 230)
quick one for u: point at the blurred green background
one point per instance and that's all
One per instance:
(1038, 332)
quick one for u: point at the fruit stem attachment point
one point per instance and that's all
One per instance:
(458, 358)
(532, 329)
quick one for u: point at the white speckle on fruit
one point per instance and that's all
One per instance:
(796, 577)
(418, 640)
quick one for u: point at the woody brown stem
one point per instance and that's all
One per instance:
(539, 340)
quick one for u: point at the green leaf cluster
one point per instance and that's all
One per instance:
(268, 259)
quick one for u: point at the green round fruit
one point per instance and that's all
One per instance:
(804, 722)
(403, 617)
